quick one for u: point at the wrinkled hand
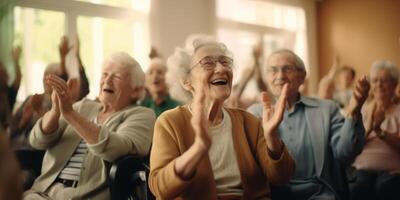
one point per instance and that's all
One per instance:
(273, 114)
(64, 47)
(199, 120)
(61, 96)
(360, 94)
(27, 111)
(36, 102)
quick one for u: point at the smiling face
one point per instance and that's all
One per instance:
(116, 88)
(155, 77)
(383, 86)
(217, 81)
(281, 69)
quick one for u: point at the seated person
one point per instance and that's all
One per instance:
(82, 140)
(204, 150)
(36, 105)
(158, 98)
(318, 137)
(344, 86)
(377, 168)
(30, 111)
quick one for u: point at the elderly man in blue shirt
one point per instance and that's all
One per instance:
(321, 140)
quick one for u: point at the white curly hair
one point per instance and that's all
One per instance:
(136, 72)
(179, 64)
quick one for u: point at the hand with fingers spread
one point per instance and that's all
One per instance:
(64, 47)
(199, 121)
(61, 94)
(272, 117)
(30, 108)
(273, 114)
(359, 96)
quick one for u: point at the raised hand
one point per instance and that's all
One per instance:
(199, 120)
(61, 94)
(360, 94)
(36, 102)
(64, 47)
(272, 117)
(273, 114)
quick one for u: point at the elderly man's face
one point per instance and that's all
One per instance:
(281, 69)
(212, 70)
(155, 78)
(115, 86)
(382, 84)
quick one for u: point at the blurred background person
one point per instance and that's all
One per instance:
(337, 85)
(344, 85)
(377, 174)
(236, 100)
(158, 98)
(36, 105)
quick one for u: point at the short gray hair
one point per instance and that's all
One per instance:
(126, 61)
(298, 61)
(385, 65)
(179, 64)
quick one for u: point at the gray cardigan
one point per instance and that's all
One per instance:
(128, 131)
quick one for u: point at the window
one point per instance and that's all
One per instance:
(39, 32)
(244, 23)
(103, 26)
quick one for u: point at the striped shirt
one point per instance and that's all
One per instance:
(72, 170)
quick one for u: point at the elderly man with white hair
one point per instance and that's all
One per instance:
(81, 140)
(318, 137)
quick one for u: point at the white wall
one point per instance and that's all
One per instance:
(171, 21)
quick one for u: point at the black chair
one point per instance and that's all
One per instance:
(128, 179)
(31, 164)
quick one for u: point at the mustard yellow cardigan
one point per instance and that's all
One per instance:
(173, 135)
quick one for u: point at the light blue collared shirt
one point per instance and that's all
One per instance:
(295, 133)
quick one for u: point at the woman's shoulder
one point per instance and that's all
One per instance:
(182, 110)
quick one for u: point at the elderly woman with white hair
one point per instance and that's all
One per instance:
(377, 174)
(81, 140)
(204, 150)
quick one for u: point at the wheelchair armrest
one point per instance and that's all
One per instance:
(128, 179)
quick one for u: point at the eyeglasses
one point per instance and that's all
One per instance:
(284, 69)
(209, 63)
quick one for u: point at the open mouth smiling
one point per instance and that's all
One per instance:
(219, 82)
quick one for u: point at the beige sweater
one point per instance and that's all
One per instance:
(128, 131)
(173, 135)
